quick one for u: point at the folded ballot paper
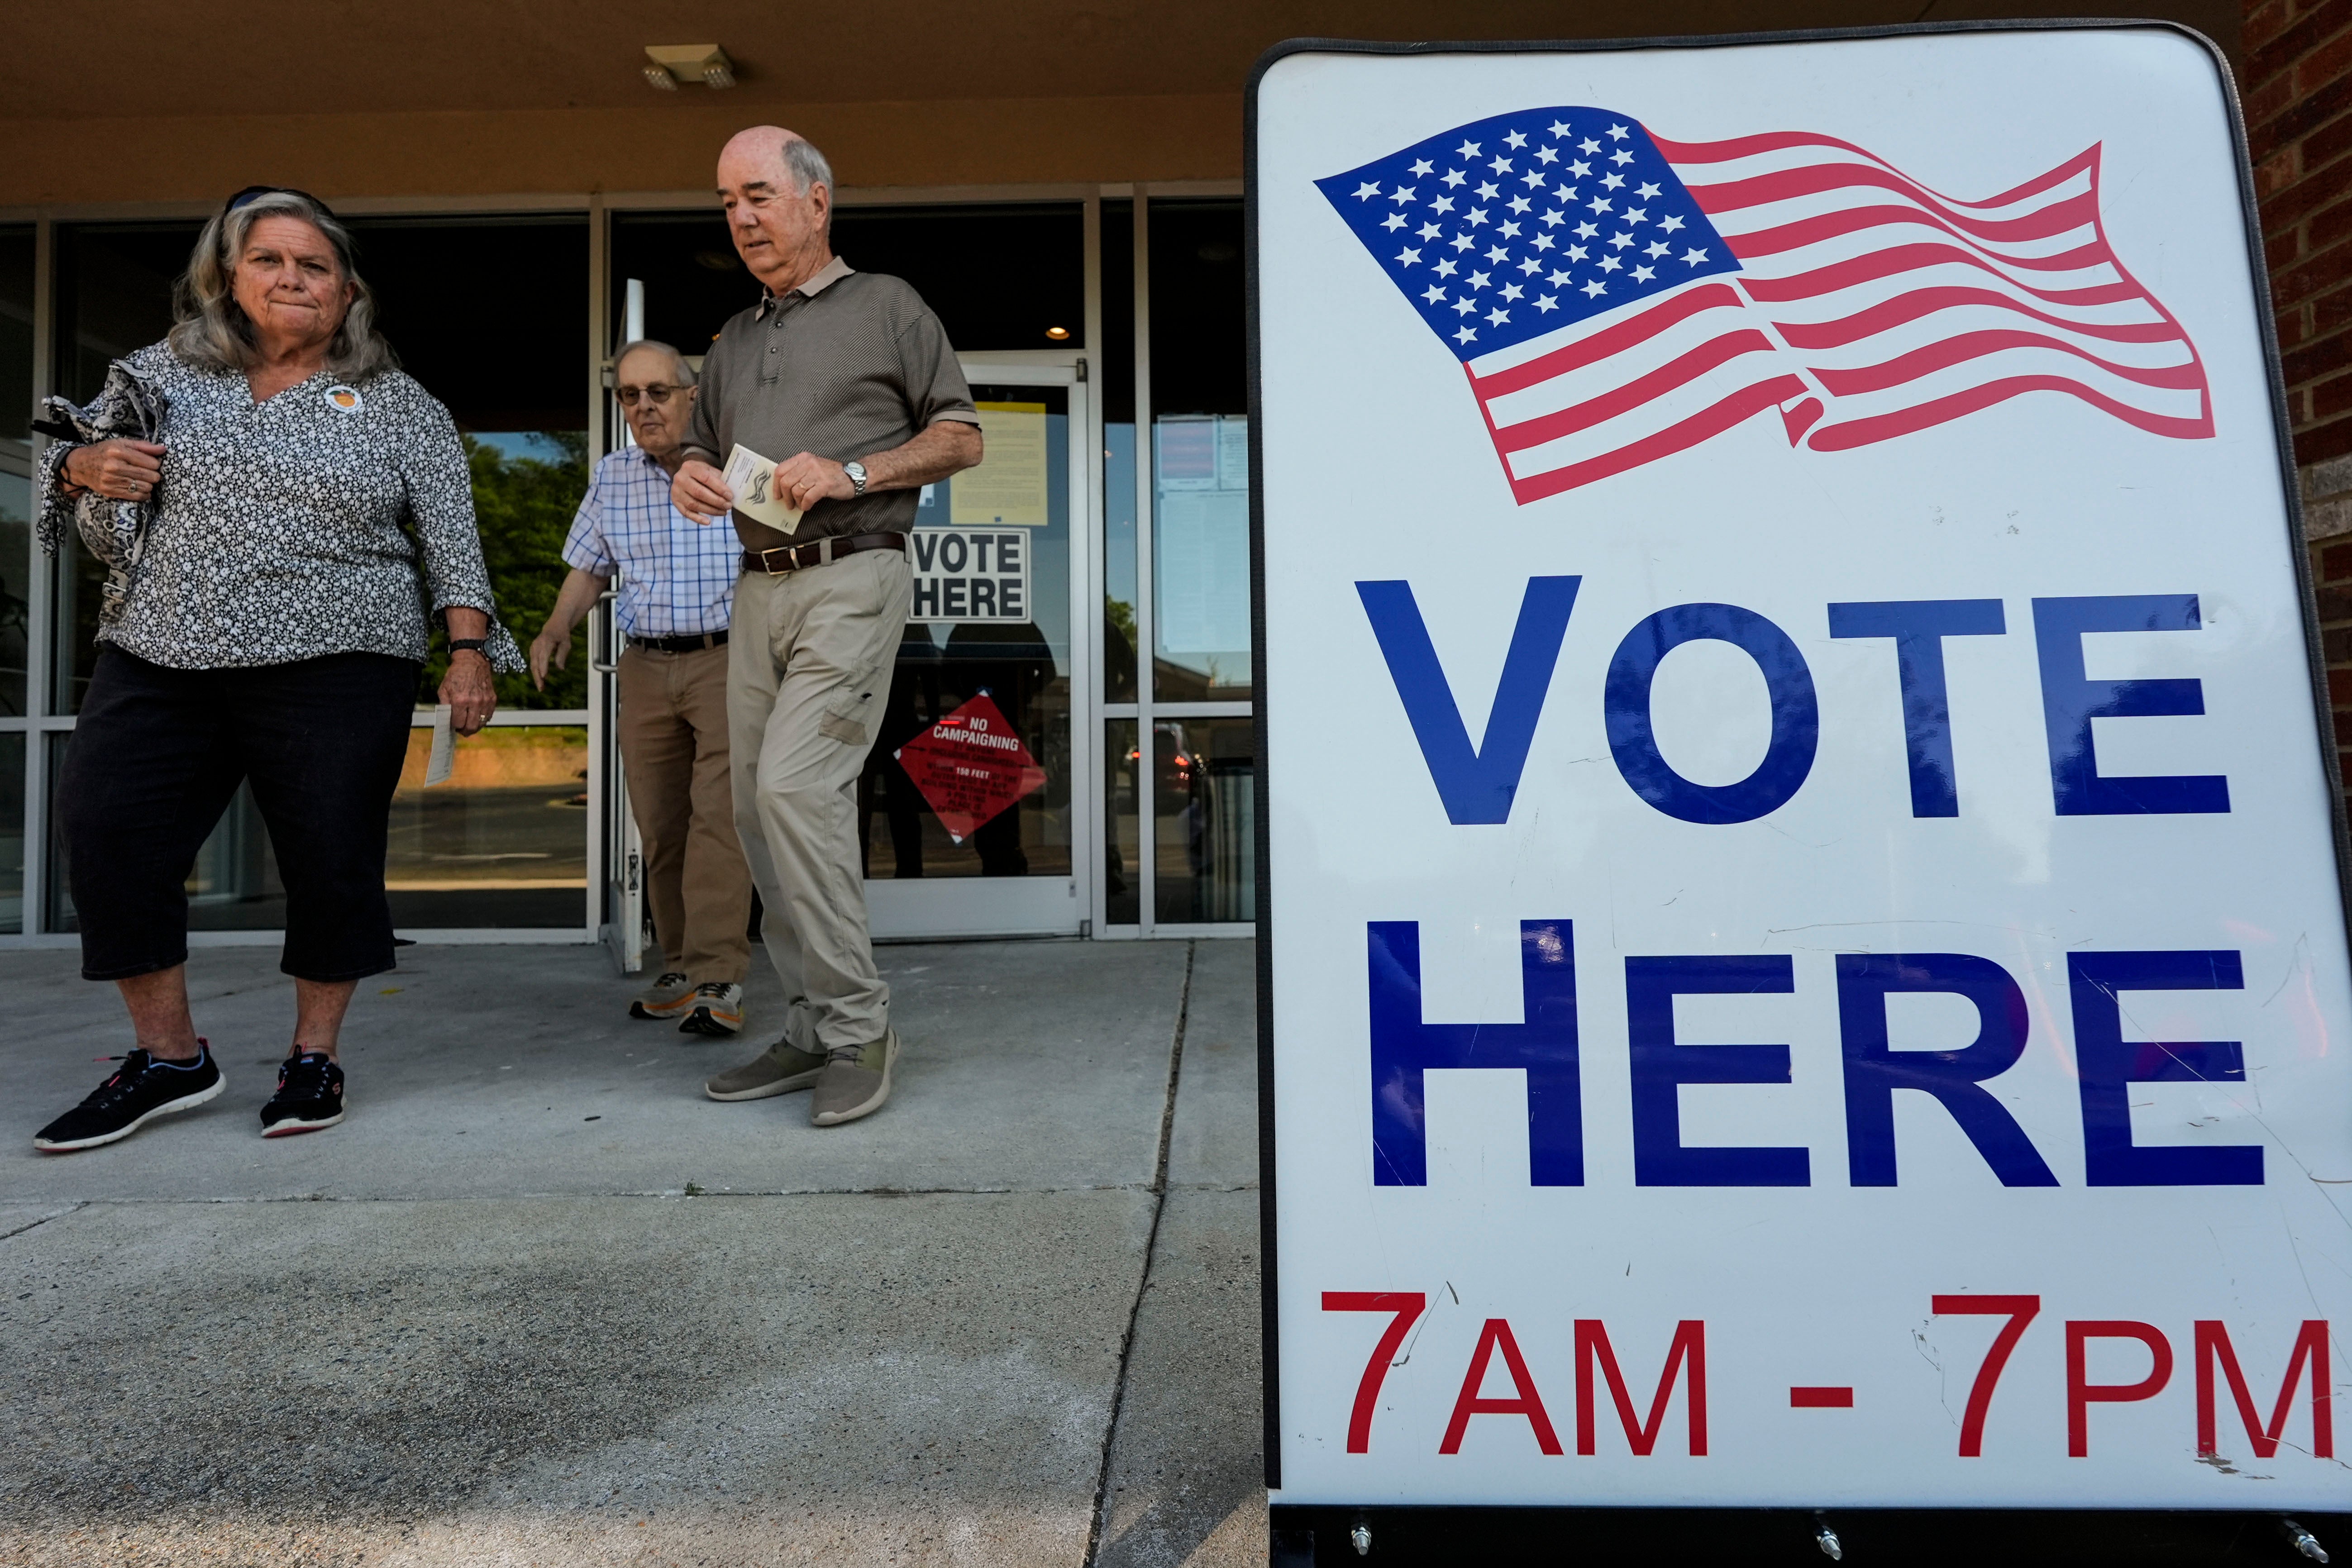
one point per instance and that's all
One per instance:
(752, 479)
(442, 758)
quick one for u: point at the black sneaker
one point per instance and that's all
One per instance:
(309, 1095)
(141, 1089)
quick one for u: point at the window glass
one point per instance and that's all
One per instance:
(1121, 596)
(57, 914)
(113, 294)
(1122, 816)
(515, 381)
(12, 833)
(1205, 800)
(998, 276)
(16, 466)
(1200, 454)
(503, 842)
(113, 298)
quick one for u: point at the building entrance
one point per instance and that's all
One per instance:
(970, 808)
(1100, 333)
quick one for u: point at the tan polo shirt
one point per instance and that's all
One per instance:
(848, 365)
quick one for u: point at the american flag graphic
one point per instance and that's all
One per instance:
(1616, 298)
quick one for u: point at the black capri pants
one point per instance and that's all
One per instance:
(157, 755)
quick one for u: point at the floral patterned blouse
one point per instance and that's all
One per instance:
(277, 534)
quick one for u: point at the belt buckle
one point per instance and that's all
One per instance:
(768, 565)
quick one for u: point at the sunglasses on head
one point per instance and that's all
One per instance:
(252, 193)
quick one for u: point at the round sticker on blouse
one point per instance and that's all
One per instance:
(346, 398)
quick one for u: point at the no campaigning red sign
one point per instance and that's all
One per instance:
(971, 765)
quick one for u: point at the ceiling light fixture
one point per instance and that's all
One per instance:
(1057, 333)
(674, 63)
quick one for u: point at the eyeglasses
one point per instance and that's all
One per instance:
(657, 393)
(252, 193)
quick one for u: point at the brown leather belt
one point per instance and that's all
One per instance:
(787, 558)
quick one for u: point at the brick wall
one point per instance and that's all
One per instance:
(2297, 83)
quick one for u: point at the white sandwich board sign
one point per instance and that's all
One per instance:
(1803, 932)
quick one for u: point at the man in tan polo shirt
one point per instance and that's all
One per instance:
(846, 382)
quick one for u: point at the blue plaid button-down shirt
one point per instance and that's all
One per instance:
(677, 577)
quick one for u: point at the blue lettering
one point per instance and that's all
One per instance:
(1874, 1070)
(2069, 701)
(1661, 1068)
(1403, 1047)
(1796, 717)
(2107, 1065)
(1919, 627)
(1476, 786)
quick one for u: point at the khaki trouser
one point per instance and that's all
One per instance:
(673, 730)
(808, 669)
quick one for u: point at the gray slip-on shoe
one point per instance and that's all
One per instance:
(779, 1069)
(855, 1083)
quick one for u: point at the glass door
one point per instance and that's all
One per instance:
(975, 807)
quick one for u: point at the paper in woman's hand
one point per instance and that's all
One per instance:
(443, 758)
(752, 477)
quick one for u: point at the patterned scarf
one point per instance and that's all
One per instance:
(129, 406)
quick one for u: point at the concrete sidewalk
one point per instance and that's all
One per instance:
(539, 1302)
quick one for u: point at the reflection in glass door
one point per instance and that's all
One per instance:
(1178, 748)
(987, 662)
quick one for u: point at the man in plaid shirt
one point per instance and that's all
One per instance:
(677, 586)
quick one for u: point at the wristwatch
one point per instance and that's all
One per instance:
(856, 472)
(469, 645)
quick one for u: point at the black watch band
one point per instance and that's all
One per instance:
(469, 645)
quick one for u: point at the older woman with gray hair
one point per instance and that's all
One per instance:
(279, 543)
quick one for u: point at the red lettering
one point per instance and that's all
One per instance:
(2310, 1345)
(1689, 1345)
(2082, 1393)
(1497, 1335)
(1408, 1306)
(2019, 1310)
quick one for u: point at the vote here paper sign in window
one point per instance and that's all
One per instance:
(1804, 929)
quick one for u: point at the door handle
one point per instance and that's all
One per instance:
(597, 623)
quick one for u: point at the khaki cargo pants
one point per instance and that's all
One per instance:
(809, 661)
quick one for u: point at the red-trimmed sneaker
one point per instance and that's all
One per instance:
(137, 1092)
(309, 1095)
(718, 1009)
